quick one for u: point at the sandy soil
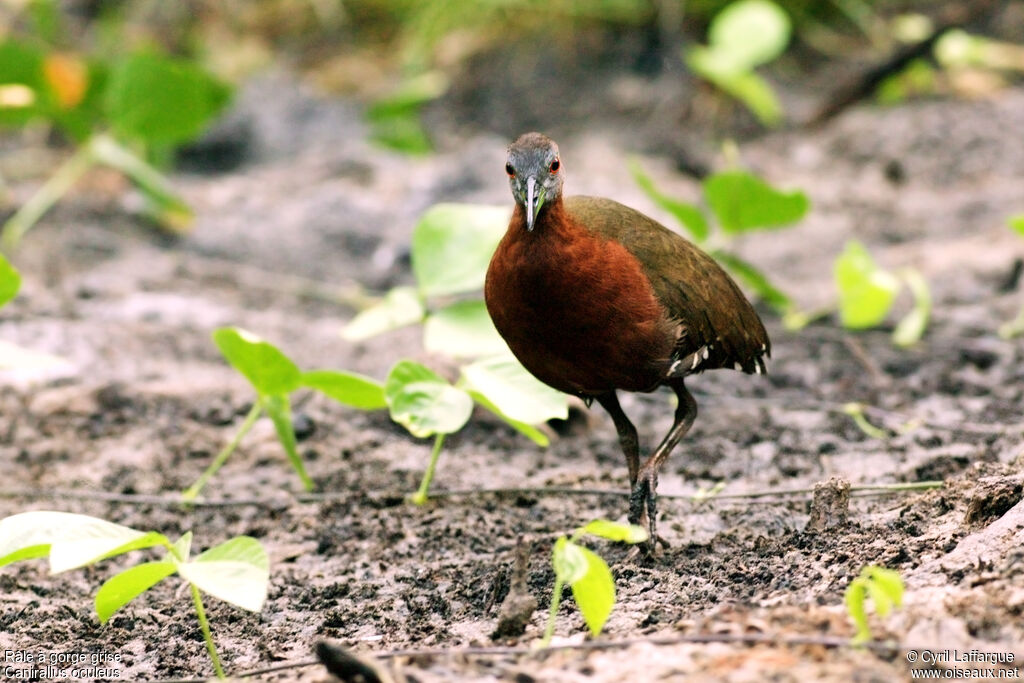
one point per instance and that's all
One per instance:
(144, 401)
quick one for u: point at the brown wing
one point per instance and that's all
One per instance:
(717, 325)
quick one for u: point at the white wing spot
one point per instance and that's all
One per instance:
(672, 369)
(757, 368)
(705, 354)
(696, 360)
(737, 366)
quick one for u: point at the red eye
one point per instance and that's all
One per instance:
(555, 165)
(508, 169)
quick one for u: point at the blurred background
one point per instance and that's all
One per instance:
(423, 75)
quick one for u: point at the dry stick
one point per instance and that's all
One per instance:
(134, 499)
(696, 639)
(867, 82)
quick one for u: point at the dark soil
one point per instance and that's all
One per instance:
(144, 401)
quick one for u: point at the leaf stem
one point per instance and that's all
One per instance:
(556, 599)
(46, 196)
(204, 624)
(420, 497)
(250, 420)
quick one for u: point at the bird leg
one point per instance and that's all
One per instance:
(628, 439)
(643, 501)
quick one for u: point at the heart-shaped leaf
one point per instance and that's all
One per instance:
(752, 32)
(270, 371)
(517, 394)
(423, 402)
(744, 202)
(866, 292)
(70, 540)
(236, 571)
(463, 330)
(594, 592)
(452, 246)
(161, 100)
(401, 306)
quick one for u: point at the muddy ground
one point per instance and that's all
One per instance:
(144, 401)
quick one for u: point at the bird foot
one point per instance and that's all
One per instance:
(643, 512)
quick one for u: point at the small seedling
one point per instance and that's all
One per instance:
(867, 293)
(236, 571)
(10, 281)
(111, 107)
(1015, 327)
(741, 37)
(428, 405)
(883, 586)
(740, 202)
(587, 573)
(275, 377)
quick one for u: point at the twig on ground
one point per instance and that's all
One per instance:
(591, 645)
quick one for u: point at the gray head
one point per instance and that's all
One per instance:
(534, 173)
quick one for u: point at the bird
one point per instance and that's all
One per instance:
(593, 297)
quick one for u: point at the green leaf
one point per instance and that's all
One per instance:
(423, 402)
(161, 100)
(613, 531)
(752, 32)
(594, 591)
(855, 597)
(743, 202)
(279, 410)
(755, 279)
(688, 215)
(568, 561)
(462, 330)
(866, 292)
(120, 589)
(349, 388)
(911, 328)
(10, 281)
(888, 581)
(401, 306)
(270, 371)
(236, 571)
(22, 90)
(452, 246)
(879, 596)
(403, 133)
(529, 431)
(71, 540)
(395, 120)
(1017, 223)
(517, 394)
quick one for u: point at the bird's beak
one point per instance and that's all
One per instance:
(534, 200)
